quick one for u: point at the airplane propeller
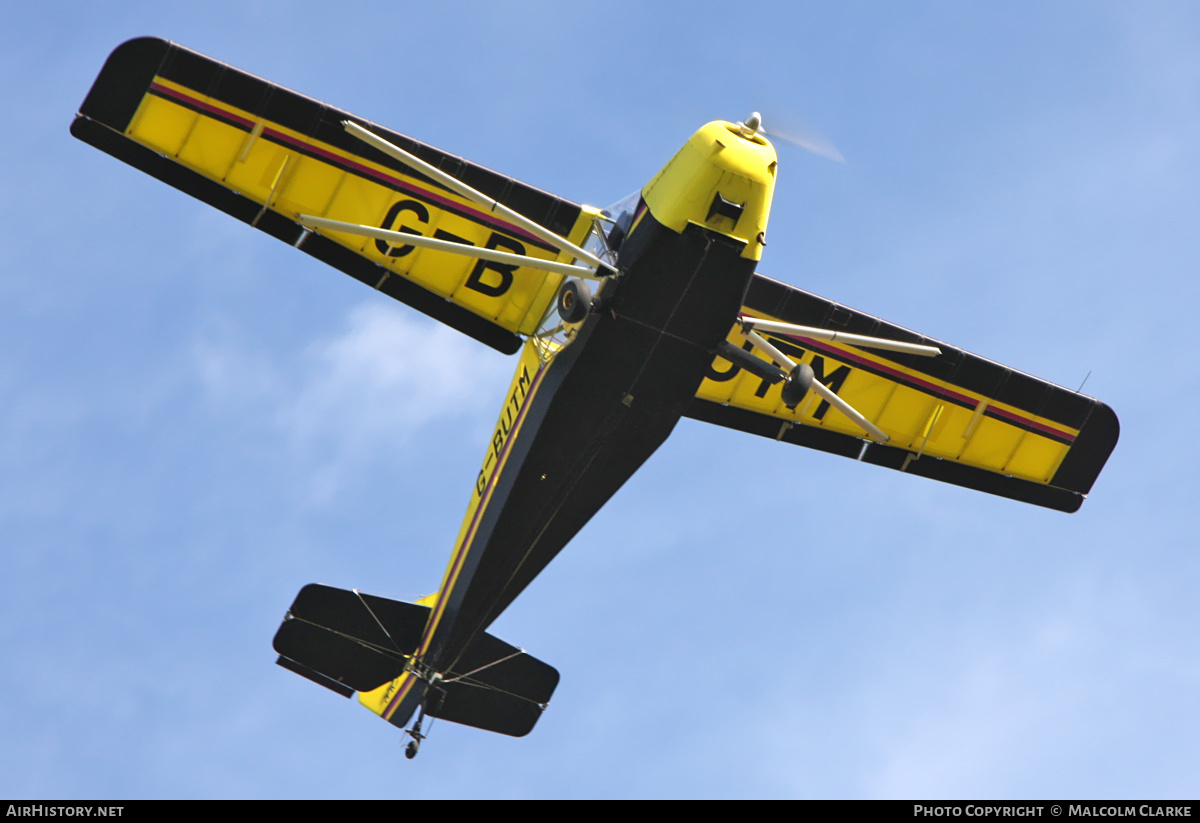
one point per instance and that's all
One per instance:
(808, 139)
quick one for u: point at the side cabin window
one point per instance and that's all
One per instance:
(618, 218)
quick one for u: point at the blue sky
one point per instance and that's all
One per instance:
(197, 420)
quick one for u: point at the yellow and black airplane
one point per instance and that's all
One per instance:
(624, 320)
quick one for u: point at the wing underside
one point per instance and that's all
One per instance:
(265, 155)
(957, 417)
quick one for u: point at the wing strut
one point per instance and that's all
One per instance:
(795, 371)
(829, 336)
(803, 379)
(400, 238)
(595, 268)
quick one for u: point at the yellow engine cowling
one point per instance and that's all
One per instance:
(723, 179)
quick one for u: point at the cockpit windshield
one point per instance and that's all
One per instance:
(612, 226)
(621, 215)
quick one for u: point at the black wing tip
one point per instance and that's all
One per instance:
(118, 89)
(1090, 451)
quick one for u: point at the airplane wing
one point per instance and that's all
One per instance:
(265, 155)
(956, 417)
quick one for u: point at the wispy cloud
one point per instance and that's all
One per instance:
(365, 391)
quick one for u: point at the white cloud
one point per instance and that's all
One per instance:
(385, 377)
(366, 391)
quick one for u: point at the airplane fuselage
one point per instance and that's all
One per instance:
(575, 427)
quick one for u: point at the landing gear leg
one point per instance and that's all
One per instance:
(434, 696)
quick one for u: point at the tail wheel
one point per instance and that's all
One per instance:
(574, 301)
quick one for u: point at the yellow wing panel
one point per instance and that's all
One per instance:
(922, 415)
(956, 417)
(293, 174)
(267, 155)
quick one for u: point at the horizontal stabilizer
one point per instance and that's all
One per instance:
(496, 687)
(359, 641)
(350, 642)
(346, 659)
(489, 661)
(315, 676)
(377, 621)
(486, 708)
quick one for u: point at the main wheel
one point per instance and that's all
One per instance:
(797, 385)
(574, 301)
(410, 751)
